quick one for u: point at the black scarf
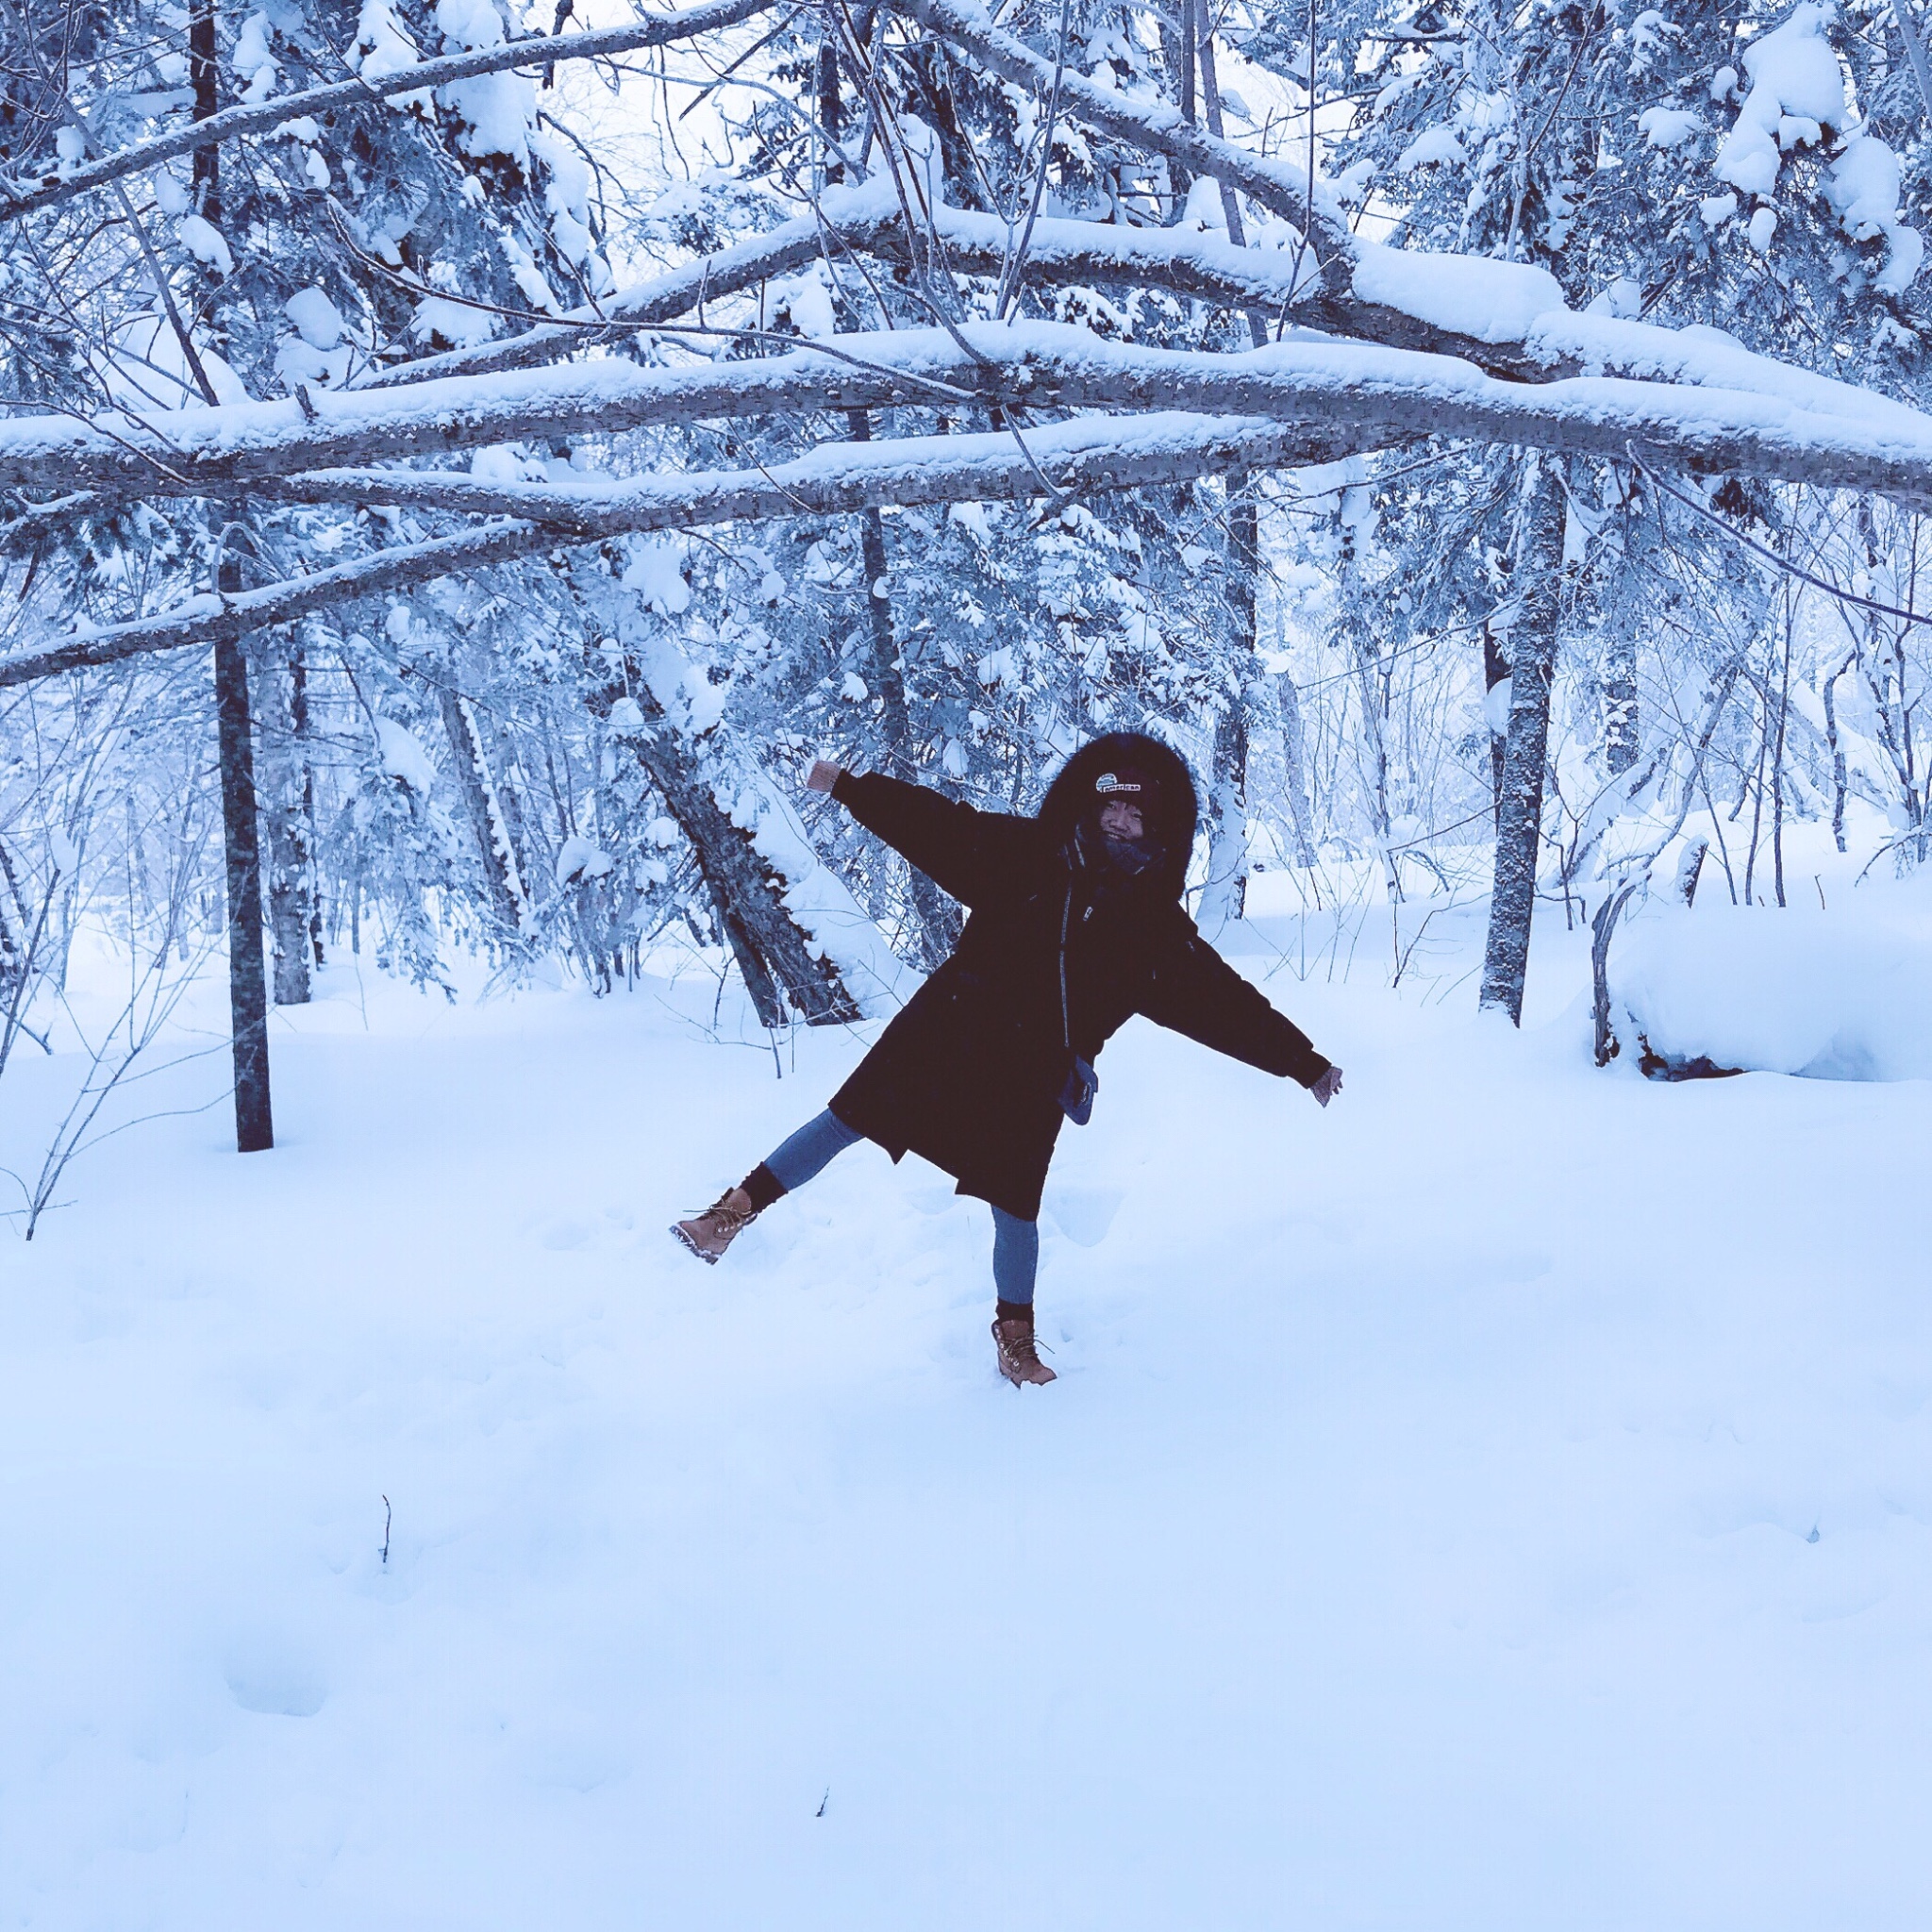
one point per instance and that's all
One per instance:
(1112, 863)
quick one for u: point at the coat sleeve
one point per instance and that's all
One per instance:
(1194, 991)
(968, 853)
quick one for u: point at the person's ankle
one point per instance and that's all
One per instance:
(1014, 1311)
(760, 1188)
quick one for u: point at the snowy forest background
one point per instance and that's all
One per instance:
(529, 663)
(461, 463)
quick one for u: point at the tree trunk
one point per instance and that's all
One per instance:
(1178, 43)
(1369, 674)
(1753, 783)
(292, 911)
(298, 712)
(1365, 662)
(1777, 766)
(501, 871)
(241, 833)
(247, 974)
(1295, 759)
(937, 915)
(1230, 200)
(19, 951)
(779, 970)
(1690, 868)
(1621, 727)
(1602, 926)
(12, 950)
(1837, 751)
(1532, 672)
(1884, 656)
(506, 773)
(1225, 895)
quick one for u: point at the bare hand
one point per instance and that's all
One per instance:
(821, 776)
(1328, 1087)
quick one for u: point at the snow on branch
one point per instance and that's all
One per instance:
(257, 116)
(1468, 306)
(1825, 434)
(1502, 316)
(1359, 289)
(1081, 457)
(1508, 319)
(870, 220)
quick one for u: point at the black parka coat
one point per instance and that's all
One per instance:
(970, 1073)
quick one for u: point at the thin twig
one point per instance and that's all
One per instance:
(1770, 555)
(1010, 280)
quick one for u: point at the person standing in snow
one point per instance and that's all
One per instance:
(1075, 925)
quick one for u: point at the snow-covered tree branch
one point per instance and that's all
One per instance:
(1821, 433)
(385, 72)
(1085, 456)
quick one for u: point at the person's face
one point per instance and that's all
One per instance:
(1121, 820)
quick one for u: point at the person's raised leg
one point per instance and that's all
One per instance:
(789, 1165)
(1015, 1265)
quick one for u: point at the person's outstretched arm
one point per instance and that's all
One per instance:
(1195, 992)
(964, 851)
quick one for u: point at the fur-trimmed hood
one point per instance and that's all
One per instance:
(1176, 807)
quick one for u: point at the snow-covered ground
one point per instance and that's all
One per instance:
(1503, 1501)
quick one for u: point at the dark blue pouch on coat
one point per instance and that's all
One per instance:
(1077, 1096)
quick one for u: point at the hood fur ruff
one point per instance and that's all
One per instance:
(1176, 808)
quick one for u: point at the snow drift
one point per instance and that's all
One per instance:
(1837, 994)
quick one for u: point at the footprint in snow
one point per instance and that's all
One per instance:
(1084, 1215)
(273, 1675)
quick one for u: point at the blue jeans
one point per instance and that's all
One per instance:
(1015, 1243)
(795, 1161)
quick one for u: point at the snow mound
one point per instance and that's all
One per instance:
(317, 320)
(1669, 127)
(1834, 995)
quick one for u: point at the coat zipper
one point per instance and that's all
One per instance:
(1066, 919)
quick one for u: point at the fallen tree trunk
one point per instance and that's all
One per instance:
(1327, 402)
(311, 451)
(1088, 457)
(748, 891)
(869, 220)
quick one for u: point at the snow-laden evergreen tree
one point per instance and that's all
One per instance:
(1377, 664)
(1723, 168)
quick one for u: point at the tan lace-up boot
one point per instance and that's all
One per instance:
(1013, 1334)
(707, 1234)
